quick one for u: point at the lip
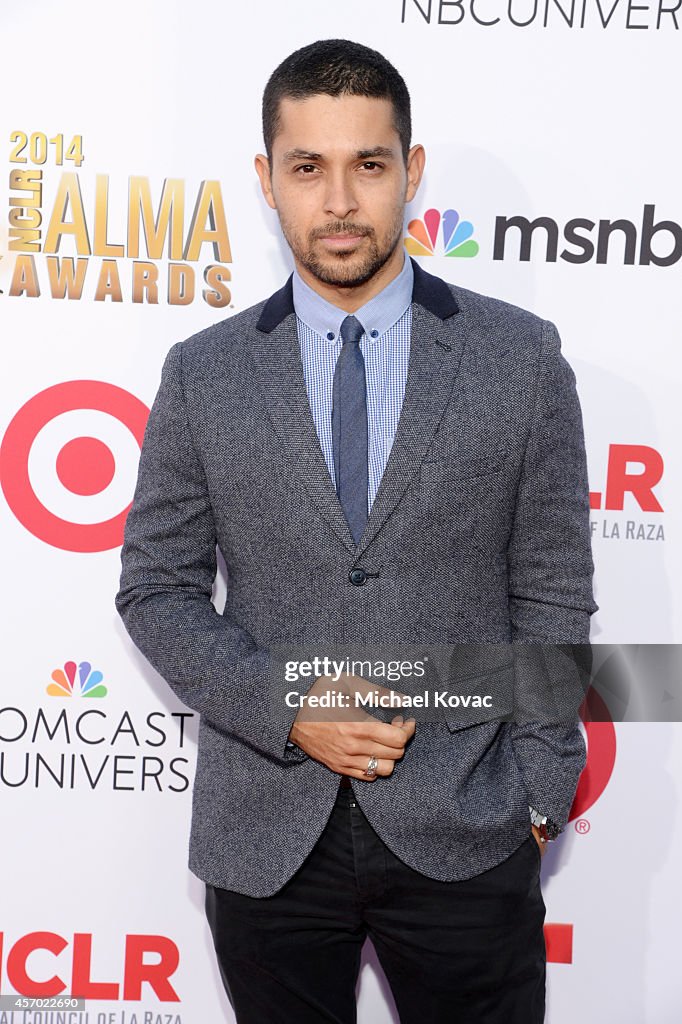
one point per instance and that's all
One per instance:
(341, 241)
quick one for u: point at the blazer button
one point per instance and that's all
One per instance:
(357, 576)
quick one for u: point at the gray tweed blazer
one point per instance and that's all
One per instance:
(479, 534)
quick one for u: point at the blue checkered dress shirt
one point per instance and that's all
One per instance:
(385, 346)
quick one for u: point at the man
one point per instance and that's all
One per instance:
(384, 460)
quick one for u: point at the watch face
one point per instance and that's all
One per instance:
(551, 829)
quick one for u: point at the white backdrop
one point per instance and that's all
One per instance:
(548, 120)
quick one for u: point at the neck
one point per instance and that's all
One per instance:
(351, 299)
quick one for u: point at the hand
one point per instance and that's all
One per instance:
(346, 743)
(538, 839)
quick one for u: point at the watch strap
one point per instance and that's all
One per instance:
(548, 829)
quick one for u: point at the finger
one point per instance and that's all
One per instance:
(410, 723)
(363, 685)
(538, 840)
(359, 749)
(385, 734)
(357, 768)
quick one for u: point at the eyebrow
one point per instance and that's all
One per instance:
(361, 154)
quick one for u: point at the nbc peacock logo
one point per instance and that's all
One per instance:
(65, 683)
(456, 235)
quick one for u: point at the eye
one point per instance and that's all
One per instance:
(370, 165)
(305, 168)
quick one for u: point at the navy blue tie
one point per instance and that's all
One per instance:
(349, 428)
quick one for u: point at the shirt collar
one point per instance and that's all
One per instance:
(376, 316)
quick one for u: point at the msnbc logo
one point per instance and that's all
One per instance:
(457, 240)
(89, 683)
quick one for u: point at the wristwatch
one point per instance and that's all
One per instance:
(548, 829)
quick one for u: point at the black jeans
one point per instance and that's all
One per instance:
(469, 952)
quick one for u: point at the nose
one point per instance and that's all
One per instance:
(340, 199)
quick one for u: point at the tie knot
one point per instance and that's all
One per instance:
(351, 329)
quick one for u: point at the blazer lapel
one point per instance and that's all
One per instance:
(276, 353)
(436, 345)
(435, 354)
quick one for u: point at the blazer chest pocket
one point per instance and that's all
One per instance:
(435, 471)
(474, 700)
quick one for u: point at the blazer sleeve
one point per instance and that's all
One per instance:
(168, 568)
(550, 588)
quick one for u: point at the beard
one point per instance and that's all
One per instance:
(344, 269)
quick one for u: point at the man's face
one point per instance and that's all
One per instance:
(339, 183)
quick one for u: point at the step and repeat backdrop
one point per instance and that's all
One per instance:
(133, 219)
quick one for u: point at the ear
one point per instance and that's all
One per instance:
(416, 160)
(262, 165)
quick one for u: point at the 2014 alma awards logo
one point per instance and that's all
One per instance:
(67, 235)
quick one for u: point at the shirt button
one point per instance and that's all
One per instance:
(374, 334)
(330, 335)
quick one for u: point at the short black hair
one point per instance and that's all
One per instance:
(335, 67)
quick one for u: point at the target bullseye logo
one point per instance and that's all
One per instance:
(68, 463)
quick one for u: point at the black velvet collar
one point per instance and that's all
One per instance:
(429, 291)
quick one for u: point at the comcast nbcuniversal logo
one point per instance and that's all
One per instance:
(68, 743)
(456, 235)
(65, 684)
